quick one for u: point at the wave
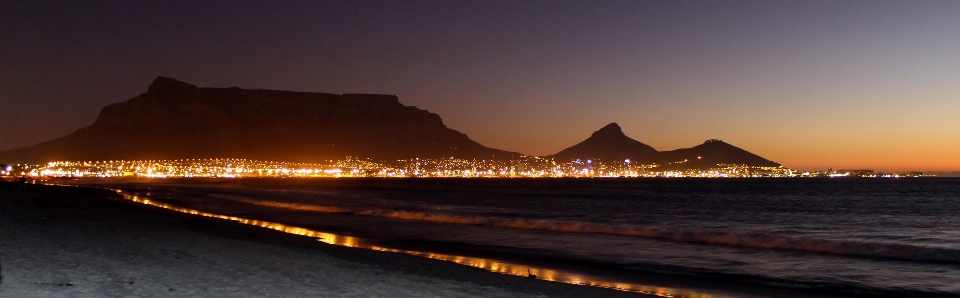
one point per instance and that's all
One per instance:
(291, 206)
(755, 241)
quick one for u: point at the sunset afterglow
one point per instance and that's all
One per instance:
(480, 148)
(811, 85)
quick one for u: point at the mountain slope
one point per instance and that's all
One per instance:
(709, 154)
(175, 120)
(609, 144)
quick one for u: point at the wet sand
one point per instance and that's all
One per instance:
(80, 242)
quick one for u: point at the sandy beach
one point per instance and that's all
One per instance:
(79, 242)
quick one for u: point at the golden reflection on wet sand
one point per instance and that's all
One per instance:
(486, 264)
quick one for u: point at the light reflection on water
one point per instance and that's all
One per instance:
(486, 264)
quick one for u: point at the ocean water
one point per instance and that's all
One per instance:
(883, 237)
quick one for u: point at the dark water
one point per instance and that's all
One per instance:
(870, 236)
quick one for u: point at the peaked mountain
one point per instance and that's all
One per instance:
(609, 144)
(175, 120)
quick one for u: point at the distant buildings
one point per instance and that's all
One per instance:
(524, 167)
(860, 174)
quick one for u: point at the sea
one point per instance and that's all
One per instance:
(865, 237)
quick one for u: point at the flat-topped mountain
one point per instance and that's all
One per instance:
(175, 120)
(608, 144)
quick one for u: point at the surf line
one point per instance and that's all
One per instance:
(491, 265)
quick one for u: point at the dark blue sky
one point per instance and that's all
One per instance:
(809, 84)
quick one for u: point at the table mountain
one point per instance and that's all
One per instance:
(175, 120)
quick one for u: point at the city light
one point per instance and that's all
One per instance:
(524, 167)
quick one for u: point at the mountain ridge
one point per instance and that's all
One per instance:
(611, 144)
(175, 120)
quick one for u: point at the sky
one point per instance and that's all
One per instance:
(808, 84)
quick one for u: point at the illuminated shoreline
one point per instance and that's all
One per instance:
(527, 167)
(490, 265)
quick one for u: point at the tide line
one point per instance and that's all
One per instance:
(490, 265)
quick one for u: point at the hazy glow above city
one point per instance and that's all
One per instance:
(808, 84)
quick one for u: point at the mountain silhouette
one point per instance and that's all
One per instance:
(609, 144)
(176, 120)
(709, 154)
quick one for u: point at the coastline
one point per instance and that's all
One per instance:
(68, 241)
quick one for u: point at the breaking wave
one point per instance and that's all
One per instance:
(698, 236)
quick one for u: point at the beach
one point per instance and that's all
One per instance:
(477, 238)
(58, 241)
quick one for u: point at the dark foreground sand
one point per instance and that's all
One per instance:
(79, 242)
